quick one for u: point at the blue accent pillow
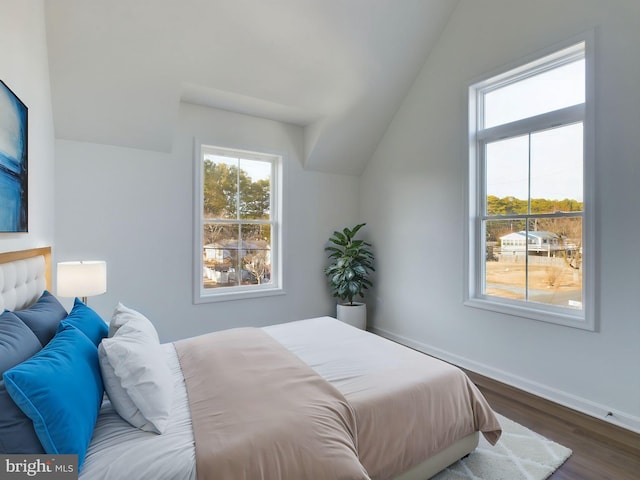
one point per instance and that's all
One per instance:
(17, 343)
(87, 321)
(60, 389)
(18, 435)
(43, 317)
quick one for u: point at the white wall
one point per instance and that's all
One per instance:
(412, 196)
(133, 208)
(24, 68)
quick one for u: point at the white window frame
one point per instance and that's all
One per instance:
(478, 137)
(275, 287)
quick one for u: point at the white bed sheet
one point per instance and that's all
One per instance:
(119, 451)
(341, 354)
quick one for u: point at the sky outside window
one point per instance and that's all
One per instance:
(551, 90)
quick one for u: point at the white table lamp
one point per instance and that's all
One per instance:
(82, 279)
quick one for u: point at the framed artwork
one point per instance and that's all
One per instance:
(13, 162)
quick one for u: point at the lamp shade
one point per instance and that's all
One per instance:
(82, 279)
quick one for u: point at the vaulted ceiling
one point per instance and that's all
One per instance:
(337, 68)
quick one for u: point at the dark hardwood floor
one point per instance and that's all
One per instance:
(601, 451)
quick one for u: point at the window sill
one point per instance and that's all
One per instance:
(205, 297)
(546, 314)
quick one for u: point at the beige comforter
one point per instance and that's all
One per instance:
(408, 405)
(259, 412)
(422, 407)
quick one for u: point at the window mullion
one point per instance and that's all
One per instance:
(544, 121)
(239, 256)
(529, 174)
(481, 203)
(526, 260)
(527, 224)
(520, 216)
(234, 221)
(238, 189)
(238, 265)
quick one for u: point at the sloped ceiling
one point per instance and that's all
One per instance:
(337, 68)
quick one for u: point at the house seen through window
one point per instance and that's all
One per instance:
(238, 225)
(527, 241)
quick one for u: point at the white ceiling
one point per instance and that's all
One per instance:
(337, 68)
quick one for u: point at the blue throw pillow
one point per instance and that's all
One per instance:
(87, 321)
(43, 317)
(60, 389)
(17, 343)
(18, 435)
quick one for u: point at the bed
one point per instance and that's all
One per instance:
(377, 409)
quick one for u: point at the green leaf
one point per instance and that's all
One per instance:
(340, 237)
(356, 229)
(360, 270)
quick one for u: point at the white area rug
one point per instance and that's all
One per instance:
(519, 454)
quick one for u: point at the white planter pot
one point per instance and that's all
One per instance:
(355, 315)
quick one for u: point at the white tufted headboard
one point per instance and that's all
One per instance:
(23, 277)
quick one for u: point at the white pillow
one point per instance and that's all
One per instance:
(135, 373)
(123, 315)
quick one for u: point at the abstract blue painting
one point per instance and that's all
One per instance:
(13, 162)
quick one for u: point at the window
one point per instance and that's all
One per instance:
(237, 224)
(530, 251)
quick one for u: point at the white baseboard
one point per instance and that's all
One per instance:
(566, 399)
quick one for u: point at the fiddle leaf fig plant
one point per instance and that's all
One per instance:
(352, 263)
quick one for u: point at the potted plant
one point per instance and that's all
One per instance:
(352, 261)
